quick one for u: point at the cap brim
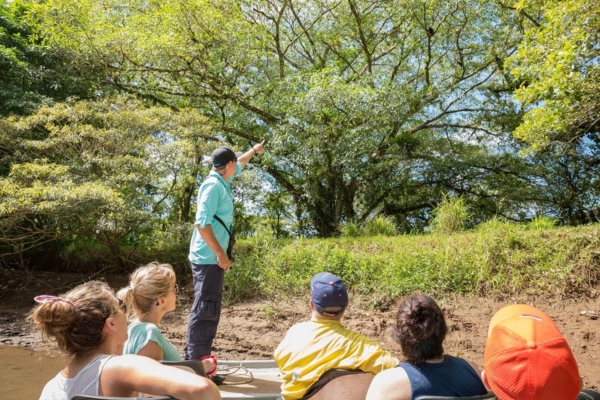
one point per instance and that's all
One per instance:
(238, 154)
(512, 311)
(321, 310)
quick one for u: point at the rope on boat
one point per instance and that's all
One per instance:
(233, 370)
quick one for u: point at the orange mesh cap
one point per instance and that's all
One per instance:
(527, 358)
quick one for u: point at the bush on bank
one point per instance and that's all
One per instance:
(495, 258)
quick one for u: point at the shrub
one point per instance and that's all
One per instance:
(450, 216)
(350, 229)
(380, 226)
(542, 222)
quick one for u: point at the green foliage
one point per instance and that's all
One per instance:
(499, 258)
(451, 215)
(107, 171)
(31, 74)
(542, 222)
(351, 230)
(496, 225)
(569, 184)
(279, 210)
(369, 107)
(248, 192)
(558, 63)
(269, 314)
(366, 105)
(378, 226)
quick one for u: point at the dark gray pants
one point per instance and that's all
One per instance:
(206, 310)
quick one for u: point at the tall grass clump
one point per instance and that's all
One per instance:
(542, 222)
(450, 216)
(351, 229)
(380, 226)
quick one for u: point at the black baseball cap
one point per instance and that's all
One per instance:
(222, 155)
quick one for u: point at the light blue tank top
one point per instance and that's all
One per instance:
(142, 332)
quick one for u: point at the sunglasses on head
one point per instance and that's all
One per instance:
(175, 289)
(121, 305)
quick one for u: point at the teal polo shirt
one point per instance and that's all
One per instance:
(214, 197)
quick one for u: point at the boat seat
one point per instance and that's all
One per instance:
(347, 387)
(194, 366)
(489, 395)
(587, 394)
(87, 397)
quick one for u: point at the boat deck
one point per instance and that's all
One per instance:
(264, 385)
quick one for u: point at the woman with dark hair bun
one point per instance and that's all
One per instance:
(89, 324)
(420, 330)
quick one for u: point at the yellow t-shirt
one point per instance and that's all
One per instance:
(312, 348)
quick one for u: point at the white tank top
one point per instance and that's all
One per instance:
(86, 382)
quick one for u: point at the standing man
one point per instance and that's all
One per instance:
(208, 247)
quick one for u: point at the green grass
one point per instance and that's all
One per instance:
(495, 258)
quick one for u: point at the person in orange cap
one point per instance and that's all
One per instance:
(527, 358)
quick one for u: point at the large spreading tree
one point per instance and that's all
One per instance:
(359, 100)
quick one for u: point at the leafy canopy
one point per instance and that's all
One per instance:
(354, 97)
(558, 61)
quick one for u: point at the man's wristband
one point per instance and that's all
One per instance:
(254, 150)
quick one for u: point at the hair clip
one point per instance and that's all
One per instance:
(49, 299)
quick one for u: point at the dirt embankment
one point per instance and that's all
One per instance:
(252, 330)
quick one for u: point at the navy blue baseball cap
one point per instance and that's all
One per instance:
(328, 290)
(222, 155)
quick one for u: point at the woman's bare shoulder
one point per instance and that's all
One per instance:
(391, 384)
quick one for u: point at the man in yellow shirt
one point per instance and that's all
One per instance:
(313, 348)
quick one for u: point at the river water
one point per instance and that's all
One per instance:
(24, 372)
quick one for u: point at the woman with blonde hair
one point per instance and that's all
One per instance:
(89, 324)
(152, 292)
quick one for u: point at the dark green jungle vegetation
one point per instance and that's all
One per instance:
(445, 145)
